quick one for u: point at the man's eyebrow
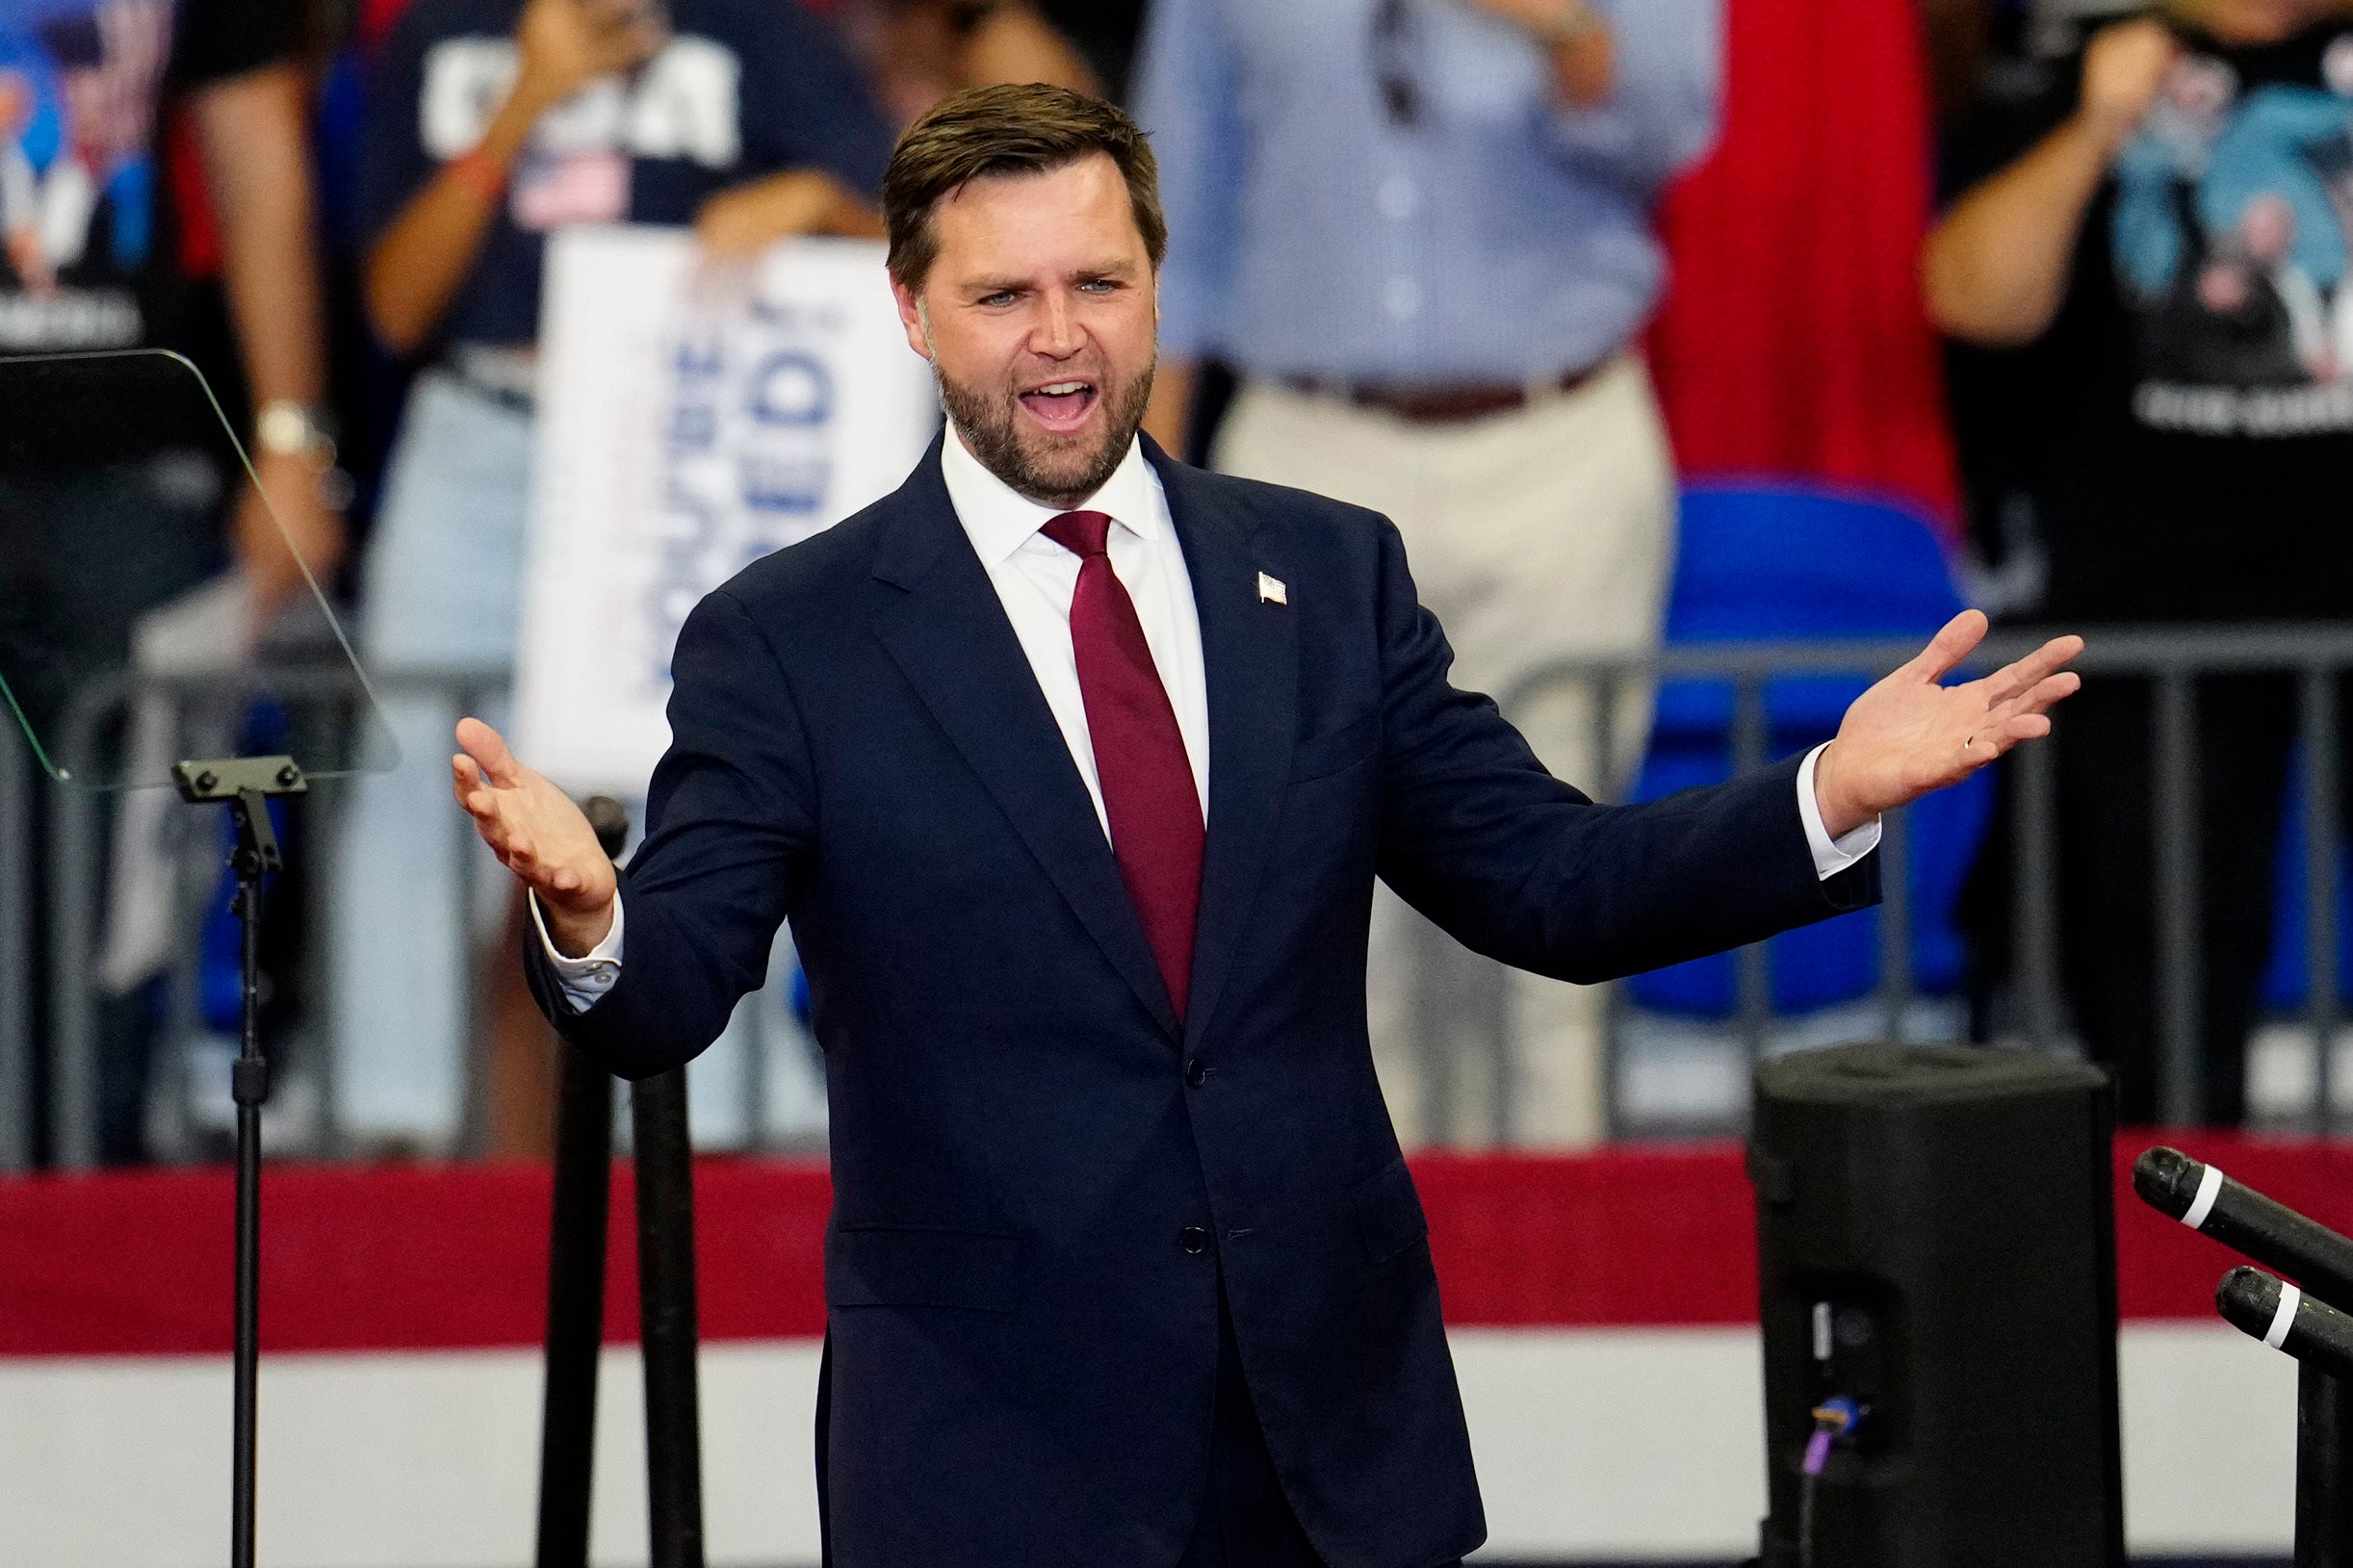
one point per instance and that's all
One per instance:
(980, 286)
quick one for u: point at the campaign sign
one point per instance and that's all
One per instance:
(690, 422)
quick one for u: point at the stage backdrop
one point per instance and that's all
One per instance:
(692, 420)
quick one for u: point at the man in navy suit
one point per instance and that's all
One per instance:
(1074, 768)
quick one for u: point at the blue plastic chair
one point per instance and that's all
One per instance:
(1771, 563)
(2287, 980)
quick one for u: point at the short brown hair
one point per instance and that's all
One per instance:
(1026, 129)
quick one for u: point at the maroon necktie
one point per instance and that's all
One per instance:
(1139, 753)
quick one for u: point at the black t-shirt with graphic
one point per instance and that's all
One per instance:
(2198, 382)
(86, 234)
(744, 88)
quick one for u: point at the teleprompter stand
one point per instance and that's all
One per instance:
(121, 651)
(247, 786)
(576, 1299)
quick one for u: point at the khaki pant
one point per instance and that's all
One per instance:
(1536, 535)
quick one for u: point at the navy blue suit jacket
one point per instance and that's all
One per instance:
(1022, 1353)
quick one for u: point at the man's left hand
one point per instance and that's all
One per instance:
(1909, 734)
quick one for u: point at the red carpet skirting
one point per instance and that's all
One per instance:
(451, 1256)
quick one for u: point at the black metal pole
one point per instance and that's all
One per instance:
(246, 786)
(576, 1308)
(665, 1293)
(2324, 1470)
(257, 853)
(576, 1275)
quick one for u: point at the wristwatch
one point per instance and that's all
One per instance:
(1571, 21)
(285, 428)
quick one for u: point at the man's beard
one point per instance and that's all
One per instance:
(989, 426)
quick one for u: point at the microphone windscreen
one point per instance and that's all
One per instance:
(2249, 1301)
(2285, 1319)
(611, 820)
(2167, 1181)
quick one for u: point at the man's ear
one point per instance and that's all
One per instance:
(911, 317)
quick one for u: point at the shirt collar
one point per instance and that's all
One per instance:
(999, 520)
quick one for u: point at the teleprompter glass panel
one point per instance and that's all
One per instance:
(154, 603)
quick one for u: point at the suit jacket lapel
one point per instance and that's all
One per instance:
(942, 621)
(1250, 650)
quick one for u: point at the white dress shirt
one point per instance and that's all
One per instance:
(1035, 580)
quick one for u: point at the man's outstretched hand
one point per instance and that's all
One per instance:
(1908, 735)
(538, 834)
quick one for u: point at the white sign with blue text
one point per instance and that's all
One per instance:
(691, 421)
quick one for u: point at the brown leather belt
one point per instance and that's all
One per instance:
(1440, 403)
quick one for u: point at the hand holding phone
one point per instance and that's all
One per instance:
(566, 44)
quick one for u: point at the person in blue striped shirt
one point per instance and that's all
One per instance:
(1420, 232)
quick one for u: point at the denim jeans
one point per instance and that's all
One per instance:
(441, 586)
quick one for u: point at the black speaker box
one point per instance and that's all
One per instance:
(1936, 1243)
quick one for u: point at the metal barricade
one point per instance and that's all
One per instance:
(81, 825)
(68, 945)
(2173, 661)
(16, 855)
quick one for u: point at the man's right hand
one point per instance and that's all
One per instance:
(2124, 66)
(539, 834)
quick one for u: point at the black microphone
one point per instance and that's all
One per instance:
(611, 820)
(2271, 1233)
(2285, 1319)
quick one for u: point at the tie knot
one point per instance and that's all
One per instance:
(1081, 533)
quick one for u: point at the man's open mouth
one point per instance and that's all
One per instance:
(1061, 406)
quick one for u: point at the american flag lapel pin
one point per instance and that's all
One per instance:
(1271, 590)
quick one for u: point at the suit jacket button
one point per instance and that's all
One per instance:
(1193, 1238)
(1196, 1072)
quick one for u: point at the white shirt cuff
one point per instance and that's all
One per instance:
(584, 980)
(1831, 856)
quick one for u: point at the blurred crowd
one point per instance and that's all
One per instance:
(1414, 250)
(2143, 264)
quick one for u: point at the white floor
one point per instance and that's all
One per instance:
(1592, 1444)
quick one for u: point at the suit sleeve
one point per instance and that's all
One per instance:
(1515, 865)
(731, 829)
